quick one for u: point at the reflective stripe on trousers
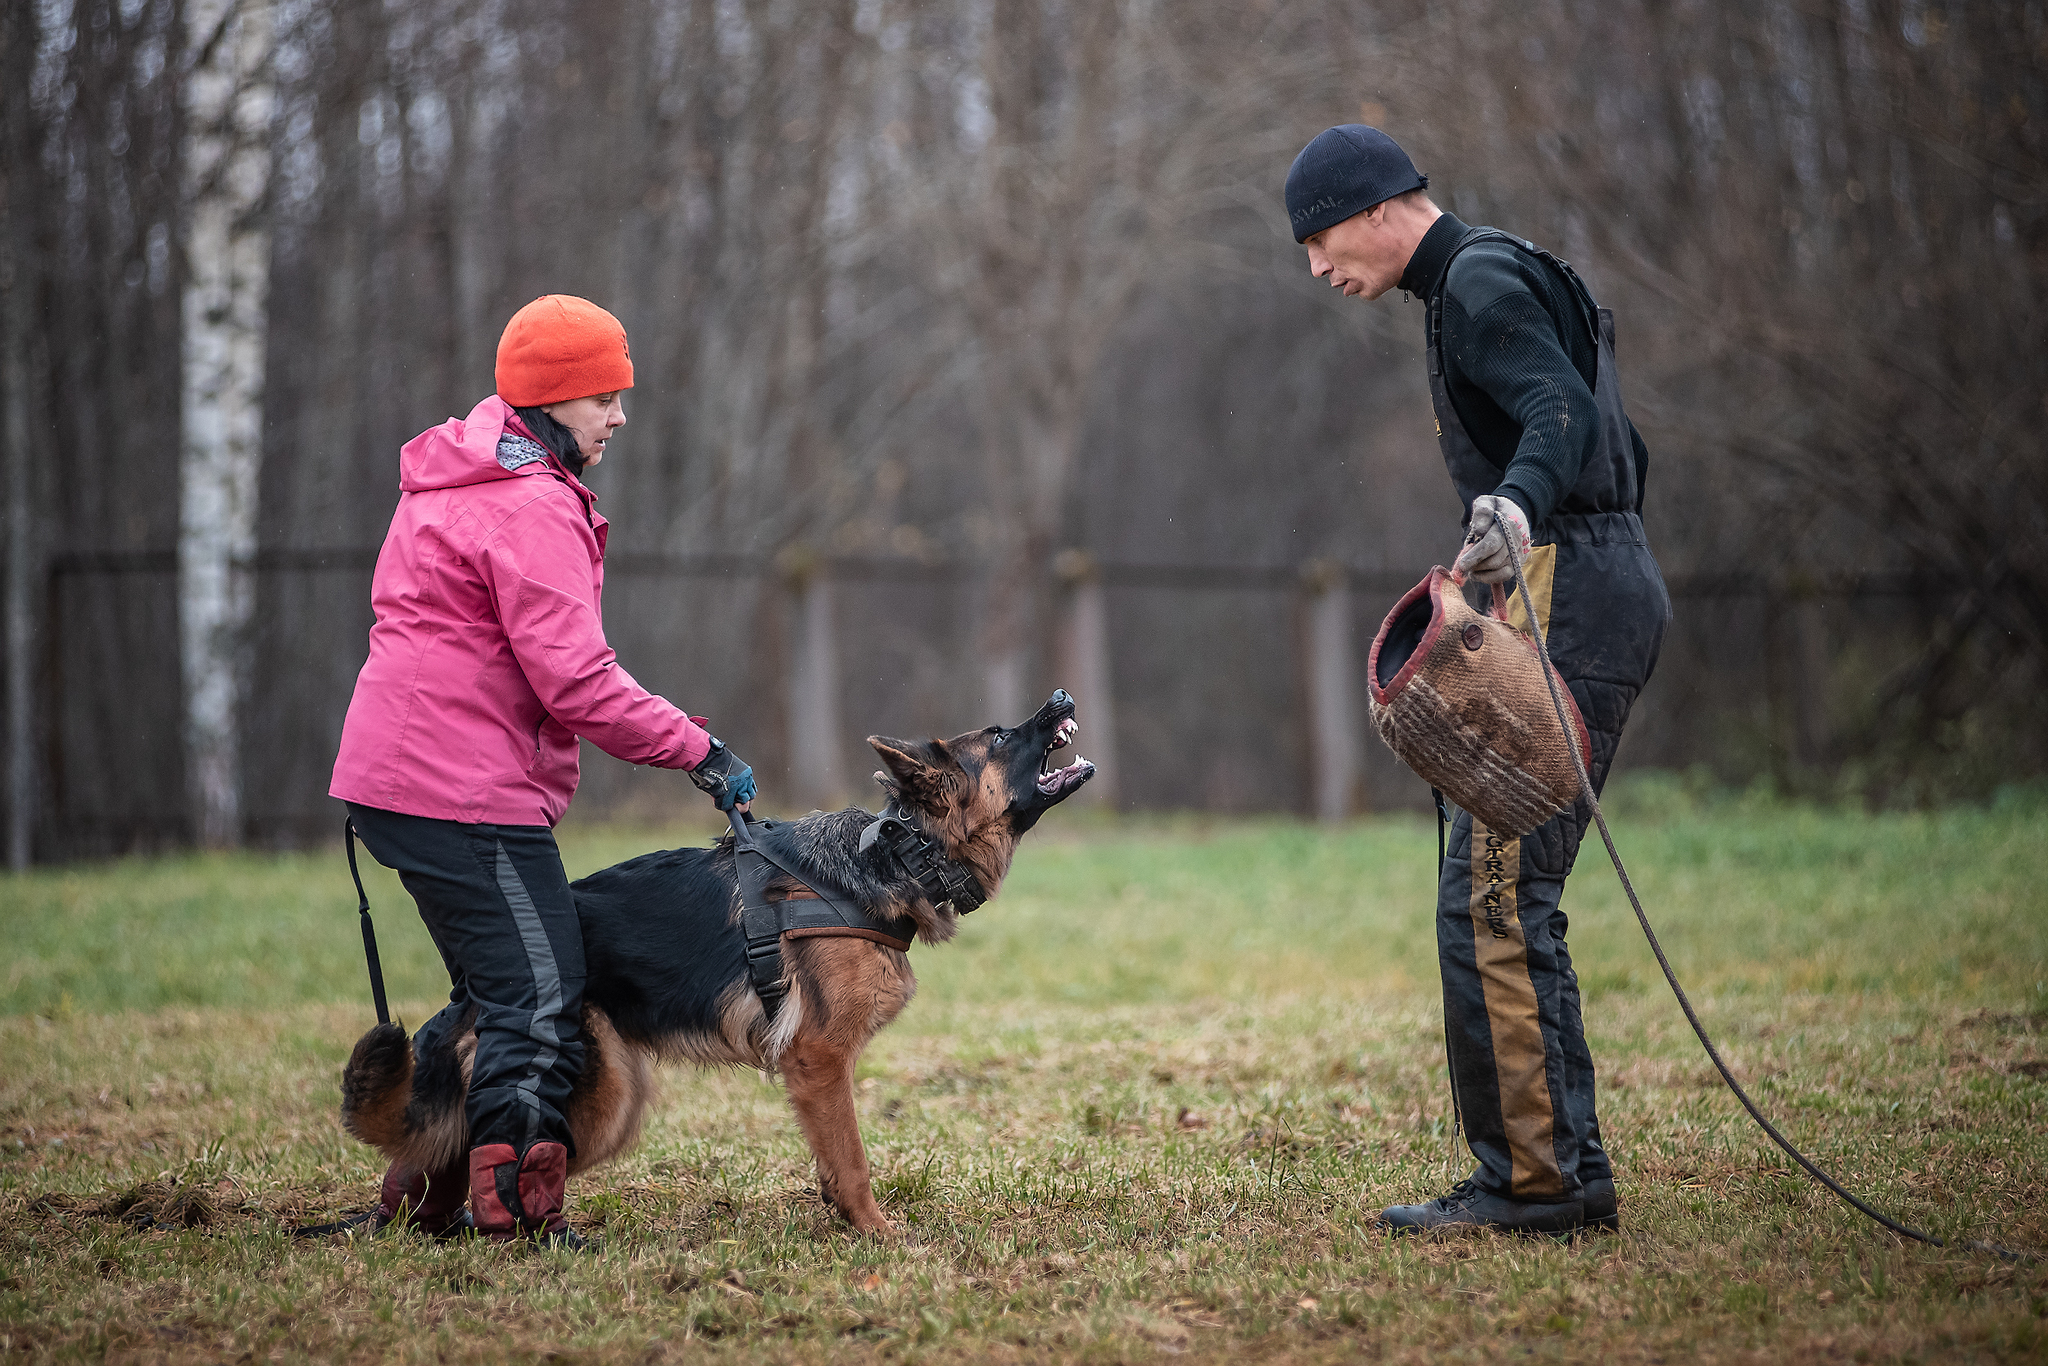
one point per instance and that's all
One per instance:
(496, 900)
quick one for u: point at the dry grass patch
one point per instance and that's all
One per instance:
(1174, 1154)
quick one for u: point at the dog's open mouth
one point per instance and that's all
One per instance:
(1058, 782)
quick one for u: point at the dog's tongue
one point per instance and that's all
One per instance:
(1061, 780)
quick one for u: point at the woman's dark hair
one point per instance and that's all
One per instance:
(555, 437)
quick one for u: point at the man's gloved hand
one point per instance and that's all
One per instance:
(724, 777)
(1496, 521)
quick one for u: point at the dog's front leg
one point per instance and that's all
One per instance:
(819, 1075)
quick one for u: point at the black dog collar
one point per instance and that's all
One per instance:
(942, 879)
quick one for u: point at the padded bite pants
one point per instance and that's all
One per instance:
(1512, 1027)
(496, 900)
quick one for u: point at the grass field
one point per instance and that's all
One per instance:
(1145, 1105)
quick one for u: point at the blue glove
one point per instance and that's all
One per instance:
(723, 777)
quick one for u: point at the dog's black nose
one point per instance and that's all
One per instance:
(1059, 698)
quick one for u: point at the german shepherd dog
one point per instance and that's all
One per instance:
(665, 956)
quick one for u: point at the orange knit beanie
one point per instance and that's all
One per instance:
(561, 347)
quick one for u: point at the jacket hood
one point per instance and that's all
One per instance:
(464, 450)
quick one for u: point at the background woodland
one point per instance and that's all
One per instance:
(968, 333)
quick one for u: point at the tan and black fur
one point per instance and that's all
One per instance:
(667, 977)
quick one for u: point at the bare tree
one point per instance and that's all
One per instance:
(19, 272)
(1084, 153)
(227, 159)
(986, 312)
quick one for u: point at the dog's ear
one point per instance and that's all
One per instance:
(924, 774)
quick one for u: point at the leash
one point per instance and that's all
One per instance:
(348, 827)
(1443, 825)
(1685, 1002)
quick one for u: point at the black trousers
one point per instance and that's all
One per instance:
(1512, 1023)
(496, 900)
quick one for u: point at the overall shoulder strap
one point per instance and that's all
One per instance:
(1589, 311)
(1472, 237)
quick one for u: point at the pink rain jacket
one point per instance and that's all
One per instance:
(488, 658)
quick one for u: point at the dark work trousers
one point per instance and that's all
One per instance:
(1517, 1045)
(1519, 1062)
(496, 900)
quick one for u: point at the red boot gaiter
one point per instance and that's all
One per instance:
(510, 1195)
(432, 1200)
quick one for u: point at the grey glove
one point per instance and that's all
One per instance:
(1496, 521)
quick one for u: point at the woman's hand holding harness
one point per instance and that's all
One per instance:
(723, 776)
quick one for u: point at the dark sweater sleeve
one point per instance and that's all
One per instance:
(1507, 345)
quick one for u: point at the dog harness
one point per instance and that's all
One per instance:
(816, 909)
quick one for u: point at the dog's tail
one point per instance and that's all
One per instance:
(376, 1085)
(411, 1114)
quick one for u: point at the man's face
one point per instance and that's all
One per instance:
(1363, 255)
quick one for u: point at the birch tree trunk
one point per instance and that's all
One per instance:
(228, 99)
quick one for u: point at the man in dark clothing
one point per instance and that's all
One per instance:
(1531, 425)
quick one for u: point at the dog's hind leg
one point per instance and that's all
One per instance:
(819, 1074)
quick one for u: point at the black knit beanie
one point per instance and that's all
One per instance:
(1345, 170)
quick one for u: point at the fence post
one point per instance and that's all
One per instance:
(1327, 667)
(813, 699)
(1810, 675)
(1082, 656)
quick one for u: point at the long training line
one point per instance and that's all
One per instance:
(1685, 1002)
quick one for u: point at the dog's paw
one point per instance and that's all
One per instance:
(869, 1222)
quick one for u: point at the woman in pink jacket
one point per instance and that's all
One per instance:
(487, 661)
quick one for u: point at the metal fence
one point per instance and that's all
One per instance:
(1228, 688)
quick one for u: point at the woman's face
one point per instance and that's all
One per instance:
(593, 419)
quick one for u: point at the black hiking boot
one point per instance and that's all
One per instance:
(1603, 1211)
(458, 1227)
(566, 1239)
(374, 1221)
(1468, 1207)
